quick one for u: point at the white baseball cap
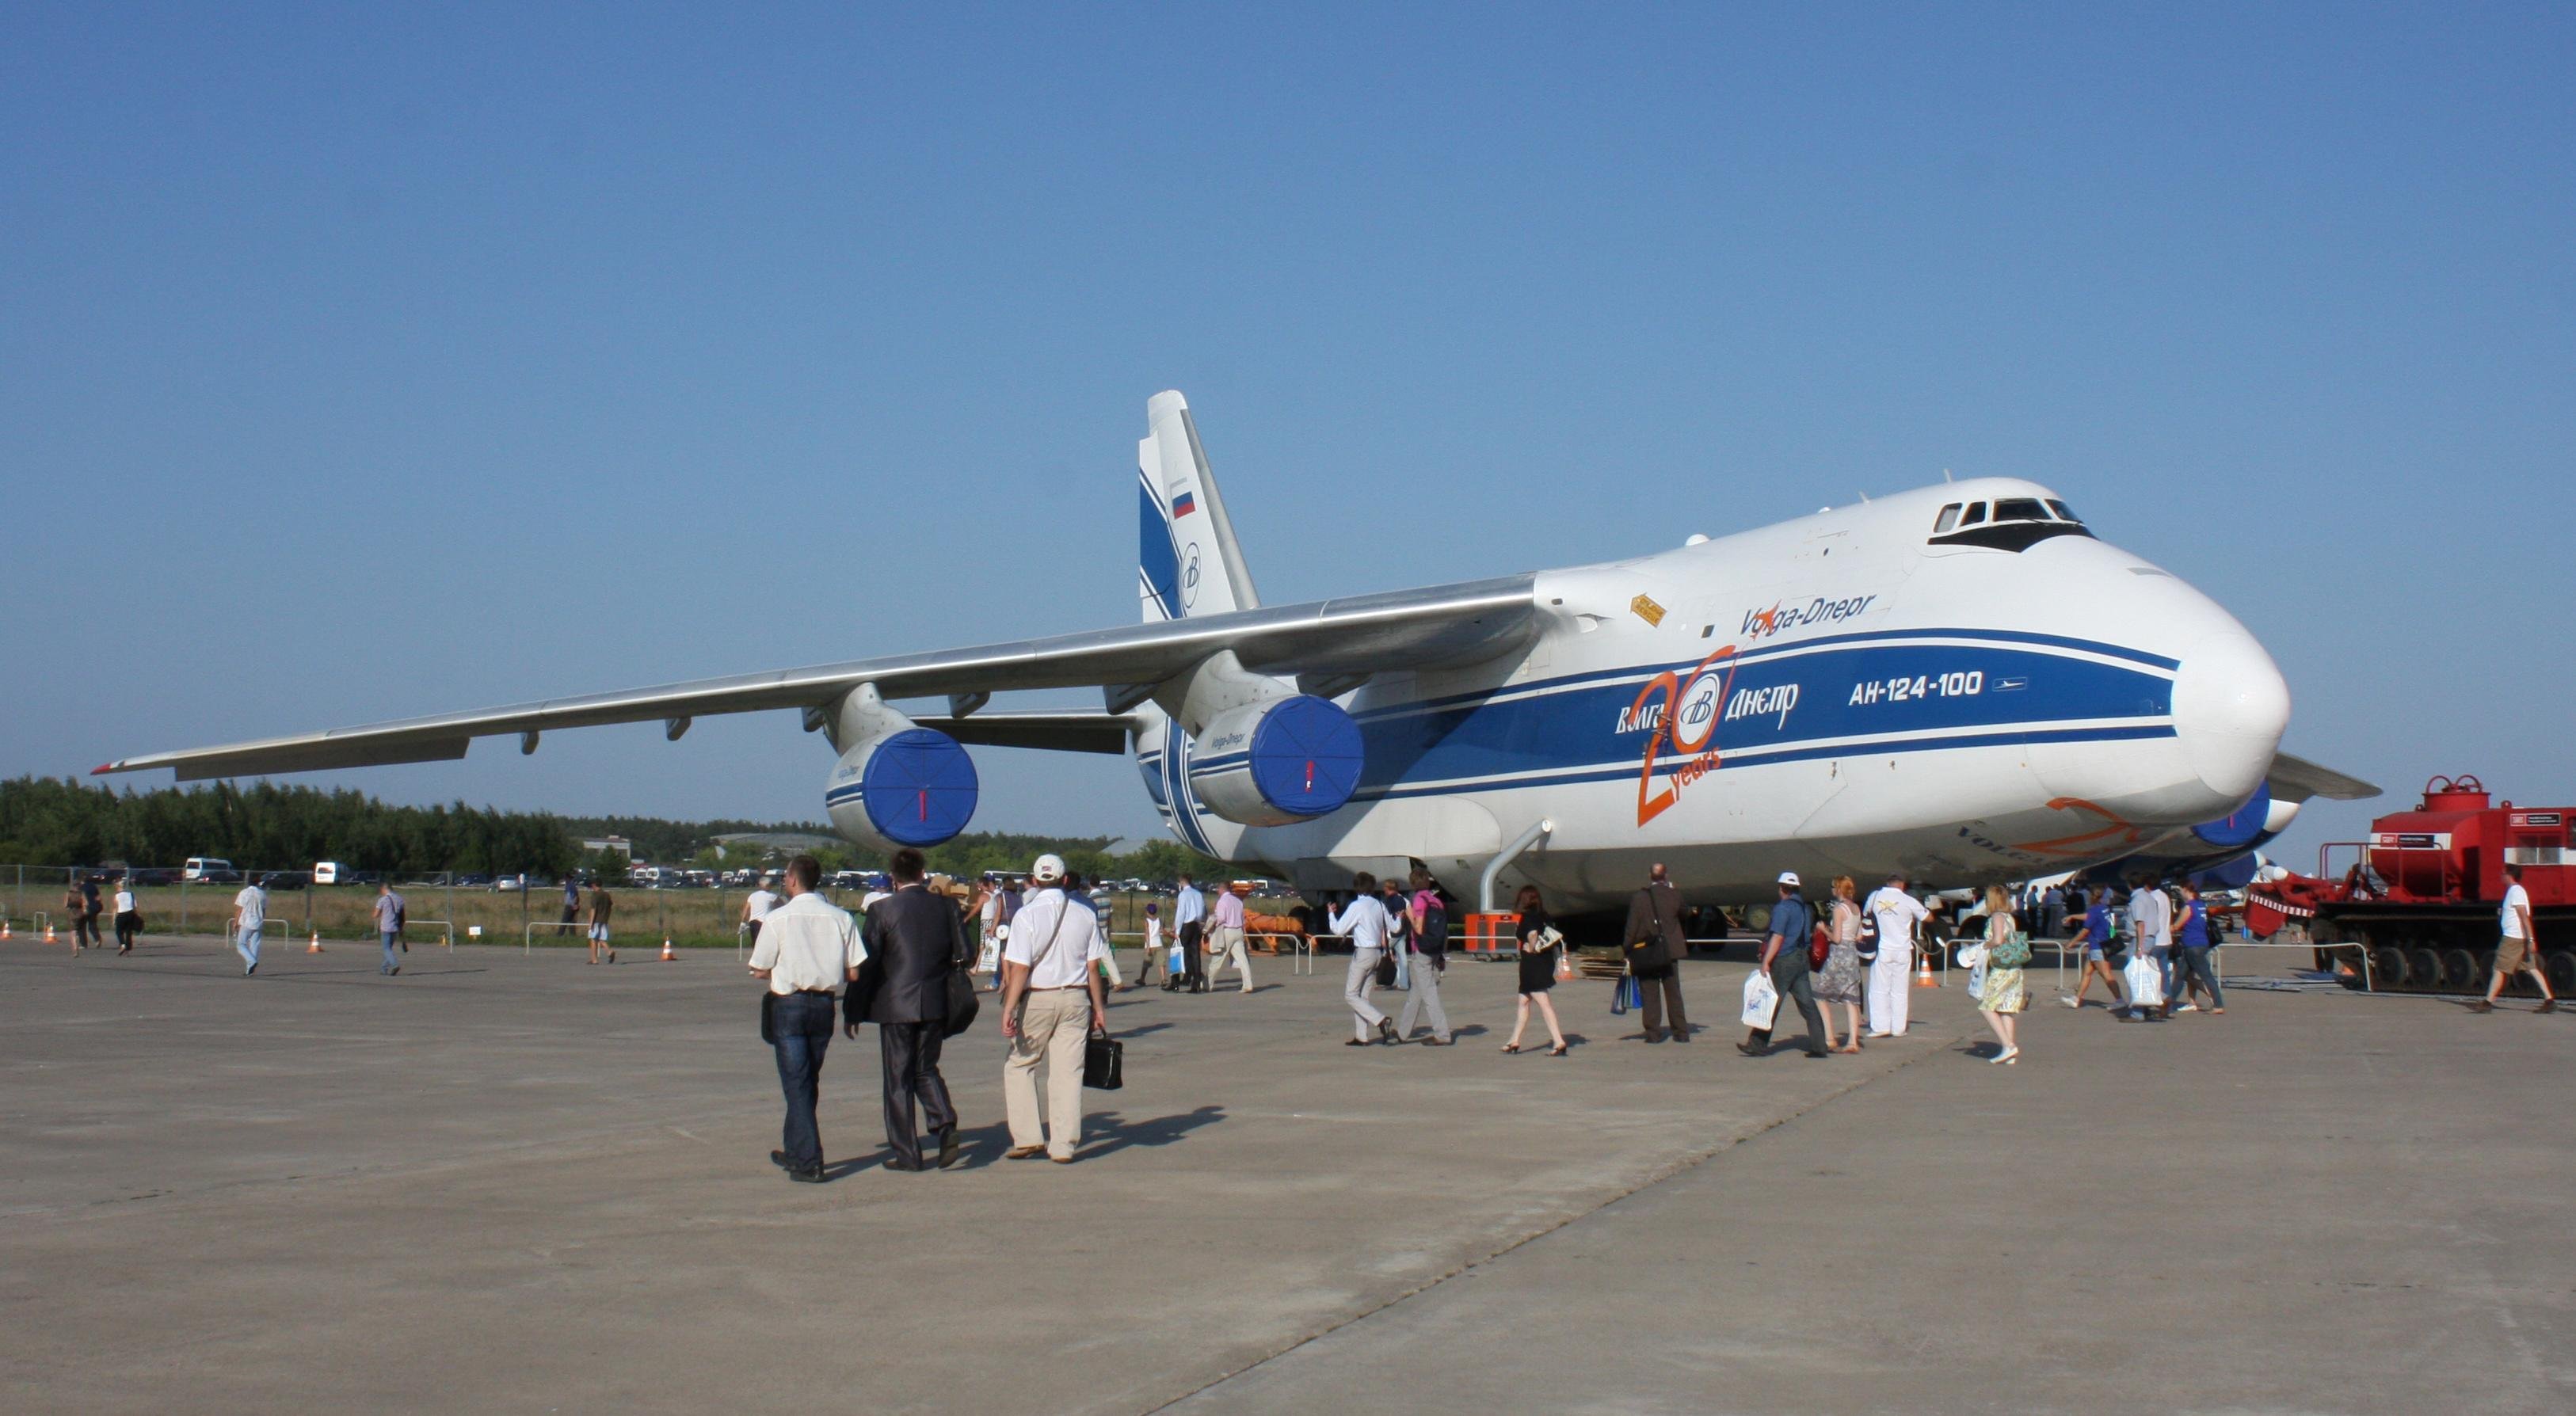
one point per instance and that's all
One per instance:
(1789, 877)
(1048, 868)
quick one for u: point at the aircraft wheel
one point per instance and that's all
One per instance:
(2388, 967)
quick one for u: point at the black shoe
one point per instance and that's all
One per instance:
(779, 1159)
(1749, 1050)
(948, 1148)
(1355, 1042)
(1654, 1037)
(807, 1177)
(1386, 1033)
(1681, 1034)
(2547, 1005)
(899, 1163)
(250, 968)
(1818, 1056)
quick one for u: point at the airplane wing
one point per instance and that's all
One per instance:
(1323, 642)
(2297, 779)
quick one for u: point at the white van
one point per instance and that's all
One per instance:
(332, 872)
(208, 869)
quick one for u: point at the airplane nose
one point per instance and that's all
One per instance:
(2230, 707)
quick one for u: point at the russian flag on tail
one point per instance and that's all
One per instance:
(1184, 504)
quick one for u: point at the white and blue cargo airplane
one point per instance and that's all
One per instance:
(1960, 682)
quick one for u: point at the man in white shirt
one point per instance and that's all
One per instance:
(809, 949)
(1896, 916)
(1051, 1001)
(2151, 926)
(756, 907)
(250, 915)
(1189, 915)
(1364, 920)
(2515, 950)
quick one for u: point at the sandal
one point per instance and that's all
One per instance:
(1557, 1051)
(1511, 1047)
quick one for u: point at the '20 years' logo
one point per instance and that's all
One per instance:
(1685, 721)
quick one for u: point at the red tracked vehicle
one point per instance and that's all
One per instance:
(2416, 910)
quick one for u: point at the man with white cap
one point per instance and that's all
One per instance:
(1784, 957)
(1051, 1001)
(1895, 915)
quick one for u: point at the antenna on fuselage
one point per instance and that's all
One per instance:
(1864, 499)
(1945, 475)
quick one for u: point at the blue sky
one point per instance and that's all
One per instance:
(368, 361)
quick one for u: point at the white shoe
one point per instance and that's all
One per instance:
(1879, 1034)
(2188, 1008)
(2071, 1003)
(2005, 1057)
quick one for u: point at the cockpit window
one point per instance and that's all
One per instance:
(2019, 509)
(2064, 512)
(1949, 519)
(1976, 514)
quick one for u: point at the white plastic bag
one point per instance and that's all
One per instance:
(2145, 976)
(1761, 1001)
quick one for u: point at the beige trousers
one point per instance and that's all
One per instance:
(1053, 1025)
(1226, 947)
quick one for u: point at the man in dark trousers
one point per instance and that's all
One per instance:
(915, 940)
(1656, 947)
(808, 950)
(1784, 957)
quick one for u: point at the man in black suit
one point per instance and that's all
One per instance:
(915, 940)
(1657, 944)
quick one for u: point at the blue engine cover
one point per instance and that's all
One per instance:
(2239, 829)
(1291, 759)
(916, 787)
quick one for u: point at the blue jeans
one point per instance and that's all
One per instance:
(801, 1023)
(2194, 963)
(247, 945)
(392, 962)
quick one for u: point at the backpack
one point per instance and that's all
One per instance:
(1433, 938)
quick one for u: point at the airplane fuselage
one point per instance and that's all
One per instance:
(1872, 689)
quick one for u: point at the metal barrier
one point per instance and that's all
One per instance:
(446, 927)
(527, 944)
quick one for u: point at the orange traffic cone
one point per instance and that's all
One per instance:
(49, 932)
(667, 956)
(1923, 972)
(314, 947)
(4, 929)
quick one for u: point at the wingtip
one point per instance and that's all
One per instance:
(102, 769)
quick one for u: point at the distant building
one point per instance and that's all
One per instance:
(781, 842)
(618, 844)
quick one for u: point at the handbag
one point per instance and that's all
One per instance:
(1384, 974)
(1819, 944)
(1623, 995)
(963, 1005)
(2013, 953)
(1104, 1062)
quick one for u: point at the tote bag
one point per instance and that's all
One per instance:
(1761, 1001)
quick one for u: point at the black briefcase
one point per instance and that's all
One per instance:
(1104, 1062)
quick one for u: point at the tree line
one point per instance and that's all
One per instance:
(266, 826)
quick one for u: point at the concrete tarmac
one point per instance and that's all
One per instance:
(507, 1182)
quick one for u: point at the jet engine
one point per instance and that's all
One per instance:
(1278, 761)
(904, 786)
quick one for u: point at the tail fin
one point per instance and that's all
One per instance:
(1187, 561)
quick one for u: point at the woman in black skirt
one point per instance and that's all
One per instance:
(1538, 972)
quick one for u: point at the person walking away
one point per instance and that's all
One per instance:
(2516, 947)
(1784, 958)
(915, 940)
(1225, 944)
(2151, 938)
(1364, 920)
(1154, 946)
(1657, 944)
(1047, 979)
(1540, 945)
(129, 922)
(250, 915)
(2191, 948)
(1399, 932)
(2098, 936)
(1429, 940)
(2052, 912)
(756, 907)
(1189, 915)
(1897, 915)
(72, 912)
(572, 900)
(2004, 997)
(809, 950)
(85, 919)
(1839, 981)
(1108, 966)
(389, 925)
(601, 907)
(1001, 905)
